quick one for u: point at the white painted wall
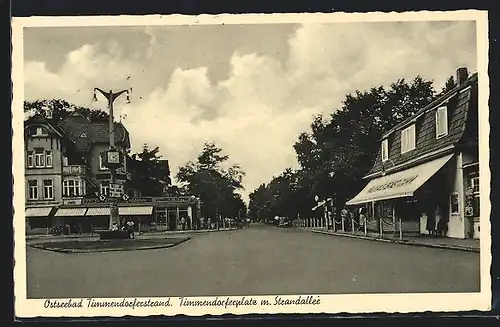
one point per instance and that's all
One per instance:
(456, 224)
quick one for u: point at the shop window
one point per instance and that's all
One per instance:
(475, 199)
(33, 190)
(385, 150)
(408, 139)
(455, 203)
(441, 122)
(48, 189)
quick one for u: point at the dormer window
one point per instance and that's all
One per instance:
(441, 122)
(385, 150)
(408, 139)
(39, 131)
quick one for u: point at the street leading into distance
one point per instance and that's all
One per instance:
(260, 260)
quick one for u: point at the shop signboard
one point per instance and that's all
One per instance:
(72, 201)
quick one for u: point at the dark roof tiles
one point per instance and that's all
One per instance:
(425, 128)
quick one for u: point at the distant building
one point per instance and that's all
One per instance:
(427, 168)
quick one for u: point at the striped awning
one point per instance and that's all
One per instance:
(142, 210)
(38, 212)
(101, 211)
(70, 212)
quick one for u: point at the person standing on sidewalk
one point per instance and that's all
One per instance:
(130, 229)
(438, 220)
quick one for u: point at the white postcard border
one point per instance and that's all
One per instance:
(366, 303)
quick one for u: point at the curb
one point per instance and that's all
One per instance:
(73, 251)
(437, 246)
(49, 237)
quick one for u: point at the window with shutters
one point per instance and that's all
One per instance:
(408, 139)
(441, 122)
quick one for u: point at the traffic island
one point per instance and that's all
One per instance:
(90, 246)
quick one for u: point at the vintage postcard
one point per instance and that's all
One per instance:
(251, 164)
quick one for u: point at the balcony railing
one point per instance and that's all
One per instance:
(78, 170)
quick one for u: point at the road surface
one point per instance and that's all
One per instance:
(260, 260)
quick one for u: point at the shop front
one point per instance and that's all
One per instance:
(149, 213)
(39, 219)
(417, 200)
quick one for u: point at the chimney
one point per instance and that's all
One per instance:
(462, 75)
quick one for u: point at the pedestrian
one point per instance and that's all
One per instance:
(362, 216)
(437, 220)
(130, 229)
(429, 222)
(183, 223)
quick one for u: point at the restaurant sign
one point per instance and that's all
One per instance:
(392, 184)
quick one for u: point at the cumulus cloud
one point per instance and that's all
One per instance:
(258, 111)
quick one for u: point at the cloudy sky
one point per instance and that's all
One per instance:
(250, 88)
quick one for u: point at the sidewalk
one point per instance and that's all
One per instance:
(470, 245)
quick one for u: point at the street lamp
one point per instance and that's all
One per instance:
(112, 158)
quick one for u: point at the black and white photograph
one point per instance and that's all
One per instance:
(247, 164)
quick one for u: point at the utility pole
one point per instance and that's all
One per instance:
(112, 158)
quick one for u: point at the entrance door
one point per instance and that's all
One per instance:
(172, 218)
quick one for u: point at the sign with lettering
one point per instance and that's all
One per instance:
(72, 201)
(115, 190)
(157, 200)
(392, 184)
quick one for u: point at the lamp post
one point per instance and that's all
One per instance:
(112, 158)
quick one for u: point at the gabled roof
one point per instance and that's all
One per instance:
(38, 119)
(93, 132)
(458, 101)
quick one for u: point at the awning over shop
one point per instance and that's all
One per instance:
(400, 184)
(70, 212)
(38, 212)
(98, 211)
(143, 210)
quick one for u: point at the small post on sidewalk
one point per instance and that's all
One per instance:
(381, 228)
(364, 222)
(400, 229)
(343, 224)
(352, 225)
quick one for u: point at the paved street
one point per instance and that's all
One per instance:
(256, 261)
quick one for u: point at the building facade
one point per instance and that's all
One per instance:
(67, 184)
(425, 179)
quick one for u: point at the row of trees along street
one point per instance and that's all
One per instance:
(340, 149)
(216, 186)
(216, 183)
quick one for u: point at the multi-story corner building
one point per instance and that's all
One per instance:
(425, 178)
(67, 184)
(64, 165)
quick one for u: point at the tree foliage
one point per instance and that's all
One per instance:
(340, 149)
(215, 185)
(56, 110)
(150, 173)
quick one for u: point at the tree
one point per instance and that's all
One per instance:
(337, 152)
(56, 110)
(150, 172)
(216, 186)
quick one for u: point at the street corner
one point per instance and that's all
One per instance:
(96, 245)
